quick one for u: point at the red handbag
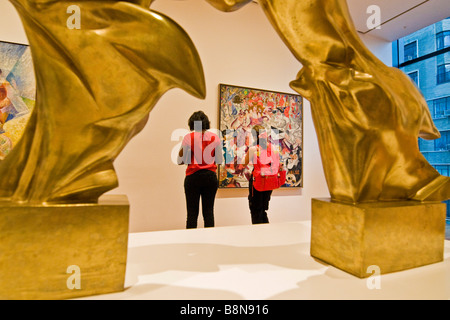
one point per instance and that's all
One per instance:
(269, 182)
(268, 174)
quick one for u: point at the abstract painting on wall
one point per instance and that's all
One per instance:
(17, 93)
(240, 109)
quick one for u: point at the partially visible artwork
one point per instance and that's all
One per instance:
(17, 93)
(280, 113)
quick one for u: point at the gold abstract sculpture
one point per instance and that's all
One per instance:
(367, 116)
(95, 88)
(97, 85)
(392, 236)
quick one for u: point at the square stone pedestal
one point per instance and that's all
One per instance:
(393, 236)
(63, 251)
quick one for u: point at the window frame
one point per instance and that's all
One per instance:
(441, 107)
(445, 137)
(443, 77)
(440, 39)
(416, 51)
(412, 72)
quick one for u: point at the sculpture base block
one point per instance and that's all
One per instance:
(393, 236)
(63, 251)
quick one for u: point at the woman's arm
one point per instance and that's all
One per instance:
(247, 158)
(180, 159)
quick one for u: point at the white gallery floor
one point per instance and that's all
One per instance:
(258, 263)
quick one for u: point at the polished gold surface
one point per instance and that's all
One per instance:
(367, 116)
(41, 244)
(97, 85)
(392, 236)
(95, 88)
(228, 5)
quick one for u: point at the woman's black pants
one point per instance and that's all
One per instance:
(201, 184)
(258, 202)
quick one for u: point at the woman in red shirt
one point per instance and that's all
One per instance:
(266, 162)
(200, 150)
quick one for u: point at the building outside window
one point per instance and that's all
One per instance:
(441, 107)
(443, 40)
(443, 169)
(410, 51)
(414, 77)
(426, 52)
(443, 73)
(443, 143)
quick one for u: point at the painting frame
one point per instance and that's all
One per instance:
(17, 93)
(280, 112)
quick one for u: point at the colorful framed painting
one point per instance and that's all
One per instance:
(17, 93)
(240, 109)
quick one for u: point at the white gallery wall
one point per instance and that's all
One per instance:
(238, 48)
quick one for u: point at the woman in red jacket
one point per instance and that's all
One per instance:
(266, 162)
(200, 151)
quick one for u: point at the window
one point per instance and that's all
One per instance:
(443, 169)
(410, 51)
(443, 73)
(430, 59)
(414, 77)
(443, 143)
(443, 40)
(441, 107)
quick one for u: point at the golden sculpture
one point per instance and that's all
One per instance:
(367, 116)
(95, 88)
(39, 244)
(392, 236)
(97, 85)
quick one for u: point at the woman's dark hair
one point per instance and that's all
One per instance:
(199, 117)
(256, 131)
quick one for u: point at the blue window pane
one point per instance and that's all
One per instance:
(443, 169)
(443, 73)
(434, 81)
(410, 51)
(443, 143)
(443, 40)
(441, 107)
(414, 77)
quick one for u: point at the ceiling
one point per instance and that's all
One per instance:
(398, 17)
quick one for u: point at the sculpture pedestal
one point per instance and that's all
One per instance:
(63, 251)
(393, 236)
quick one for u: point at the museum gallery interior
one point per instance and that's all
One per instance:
(99, 113)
